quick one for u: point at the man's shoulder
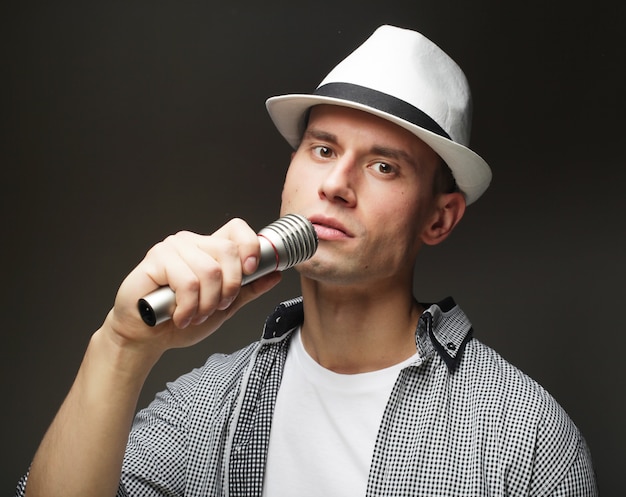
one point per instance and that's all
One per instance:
(491, 371)
(504, 387)
(219, 373)
(225, 367)
(529, 417)
(223, 372)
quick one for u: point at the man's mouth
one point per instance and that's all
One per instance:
(329, 229)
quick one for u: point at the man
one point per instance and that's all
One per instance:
(354, 389)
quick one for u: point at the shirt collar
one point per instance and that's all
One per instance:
(443, 328)
(286, 316)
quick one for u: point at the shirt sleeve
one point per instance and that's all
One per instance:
(156, 455)
(580, 479)
(21, 486)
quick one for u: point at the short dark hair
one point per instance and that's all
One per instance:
(444, 181)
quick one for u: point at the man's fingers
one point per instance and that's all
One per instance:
(205, 272)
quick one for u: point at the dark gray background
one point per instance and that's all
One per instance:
(123, 122)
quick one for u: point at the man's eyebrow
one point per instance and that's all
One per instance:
(318, 134)
(393, 153)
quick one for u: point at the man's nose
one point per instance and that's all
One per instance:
(338, 185)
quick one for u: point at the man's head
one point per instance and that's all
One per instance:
(373, 191)
(400, 76)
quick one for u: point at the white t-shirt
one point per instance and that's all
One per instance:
(324, 427)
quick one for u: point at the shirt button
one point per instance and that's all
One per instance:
(450, 346)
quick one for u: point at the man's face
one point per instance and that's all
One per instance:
(367, 186)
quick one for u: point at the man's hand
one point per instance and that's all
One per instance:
(205, 272)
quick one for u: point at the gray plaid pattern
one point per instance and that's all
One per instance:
(461, 422)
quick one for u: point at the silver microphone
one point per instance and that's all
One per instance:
(286, 242)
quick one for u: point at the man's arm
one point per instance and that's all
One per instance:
(580, 479)
(82, 451)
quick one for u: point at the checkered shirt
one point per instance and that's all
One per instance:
(459, 422)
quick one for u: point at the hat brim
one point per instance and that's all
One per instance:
(471, 172)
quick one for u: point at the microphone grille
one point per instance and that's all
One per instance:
(298, 236)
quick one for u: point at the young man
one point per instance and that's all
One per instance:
(355, 388)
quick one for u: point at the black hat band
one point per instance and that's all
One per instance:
(383, 102)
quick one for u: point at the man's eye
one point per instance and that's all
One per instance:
(383, 167)
(323, 152)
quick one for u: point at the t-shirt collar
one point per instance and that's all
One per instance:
(443, 328)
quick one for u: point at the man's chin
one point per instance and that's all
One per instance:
(326, 273)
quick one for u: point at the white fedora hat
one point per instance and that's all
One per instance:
(401, 76)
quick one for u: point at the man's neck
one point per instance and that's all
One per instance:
(351, 330)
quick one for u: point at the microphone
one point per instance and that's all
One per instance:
(286, 242)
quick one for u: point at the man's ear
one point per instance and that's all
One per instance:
(447, 212)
